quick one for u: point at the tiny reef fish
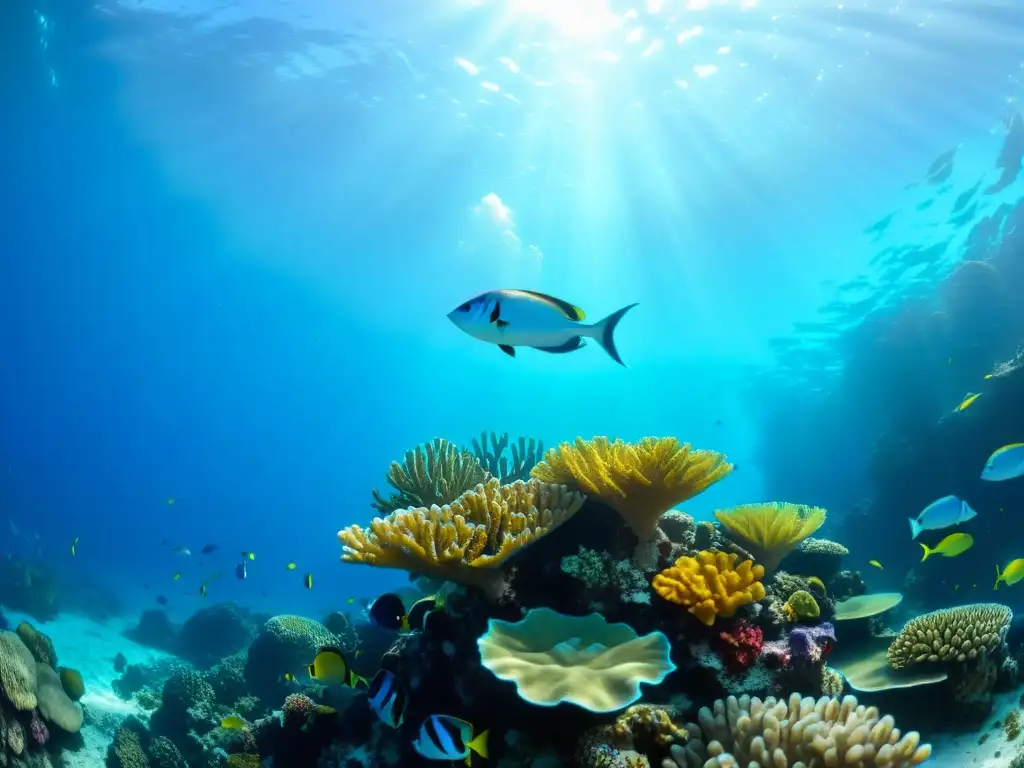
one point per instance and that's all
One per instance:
(307, 581)
(443, 737)
(1011, 574)
(517, 318)
(969, 398)
(876, 564)
(941, 513)
(951, 546)
(233, 722)
(1005, 463)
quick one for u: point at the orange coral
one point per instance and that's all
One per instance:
(711, 584)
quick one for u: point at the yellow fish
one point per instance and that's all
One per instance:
(74, 545)
(290, 566)
(350, 600)
(330, 667)
(951, 546)
(308, 581)
(969, 398)
(248, 555)
(988, 375)
(234, 722)
(1011, 574)
(875, 563)
(177, 575)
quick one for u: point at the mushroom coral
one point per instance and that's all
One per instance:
(772, 530)
(711, 584)
(641, 481)
(467, 540)
(583, 660)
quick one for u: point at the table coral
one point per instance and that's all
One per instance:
(469, 539)
(772, 530)
(951, 635)
(641, 481)
(711, 585)
(437, 473)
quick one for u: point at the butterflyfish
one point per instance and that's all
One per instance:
(951, 546)
(1005, 463)
(388, 612)
(387, 699)
(516, 318)
(330, 668)
(1011, 574)
(443, 737)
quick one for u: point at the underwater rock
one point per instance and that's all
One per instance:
(816, 557)
(31, 587)
(154, 630)
(213, 632)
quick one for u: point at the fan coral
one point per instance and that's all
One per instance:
(951, 635)
(437, 473)
(17, 672)
(524, 456)
(740, 646)
(772, 530)
(711, 584)
(804, 732)
(801, 606)
(583, 660)
(641, 481)
(464, 541)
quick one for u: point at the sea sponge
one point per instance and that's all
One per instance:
(17, 672)
(54, 704)
(641, 481)
(951, 635)
(469, 539)
(72, 681)
(803, 732)
(437, 473)
(711, 584)
(583, 660)
(801, 606)
(38, 642)
(772, 530)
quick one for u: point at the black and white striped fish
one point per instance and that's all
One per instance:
(387, 700)
(443, 737)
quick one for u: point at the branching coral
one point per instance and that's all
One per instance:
(711, 585)
(525, 456)
(752, 733)
(772, 530)
(437, 473)
(951, 635)
(641, 481)
(583, 660)
(464, 541)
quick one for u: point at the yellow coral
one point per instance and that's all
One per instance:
(641, 481)
(711, 584)
(772, 530)
(467, 540)
(801, 605)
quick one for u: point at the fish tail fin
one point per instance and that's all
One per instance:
(926, 551)
(915, 528)
(604, 332)
(479, 744)
(999, 577)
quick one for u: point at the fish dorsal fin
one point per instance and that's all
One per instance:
(571, 311)
(1009, 447)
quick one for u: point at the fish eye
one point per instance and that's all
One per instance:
(465, 307)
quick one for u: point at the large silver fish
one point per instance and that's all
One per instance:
(514, 318)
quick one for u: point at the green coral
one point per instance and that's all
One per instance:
(525, 456)
(17, 672)
(801, 606)
(598, 570)
(437, 473)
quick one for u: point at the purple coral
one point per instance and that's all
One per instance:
(37, 729)
(809, 644)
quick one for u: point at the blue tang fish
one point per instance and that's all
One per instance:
(443, 737)
(947, 511)
(514, 318)
(1005, 463)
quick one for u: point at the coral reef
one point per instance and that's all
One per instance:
(525, 456)
(607, 580)
(285, 644)
(467, 540)
(951, 635)
(434, 474)
(771, 531)
(711, 585)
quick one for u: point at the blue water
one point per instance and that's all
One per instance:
(231, 235)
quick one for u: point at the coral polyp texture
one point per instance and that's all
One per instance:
(951, 635)
(437, 473)
(465, 540)
(583, 660)
(711, 585)
(750, 733)
(772, 530)
(641, 481)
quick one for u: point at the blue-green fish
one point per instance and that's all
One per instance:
(942, 513)
(514, 318)
(1006, 463)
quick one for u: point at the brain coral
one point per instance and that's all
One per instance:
(951, 635)
(583, 660)
(711, 584)
(17, 672)
(72, 681)
(54, 704)
(285, 644)
(773, 734)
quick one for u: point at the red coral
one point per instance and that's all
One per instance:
(38, 730)
(740, 646)
(297, 708)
